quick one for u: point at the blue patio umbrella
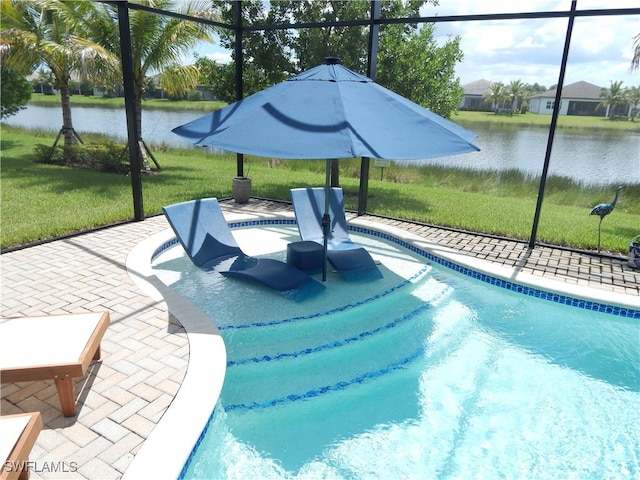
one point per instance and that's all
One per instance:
(329, 112)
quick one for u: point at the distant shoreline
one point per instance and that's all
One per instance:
(576, 123)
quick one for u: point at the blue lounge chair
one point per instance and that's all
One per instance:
(204, 234)
(345, 255)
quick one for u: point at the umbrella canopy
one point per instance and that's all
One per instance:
(329, 112)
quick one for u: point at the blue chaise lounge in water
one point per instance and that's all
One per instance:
(206, 237)
(347, 257)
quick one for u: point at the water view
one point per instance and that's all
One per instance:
(594, 158)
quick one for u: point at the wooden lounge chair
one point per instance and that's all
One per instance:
(54, 347)
(18, 434)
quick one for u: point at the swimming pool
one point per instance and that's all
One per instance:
(434, 375)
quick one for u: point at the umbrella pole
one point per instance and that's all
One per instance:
(326, 220)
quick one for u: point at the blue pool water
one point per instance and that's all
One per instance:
(426, 373)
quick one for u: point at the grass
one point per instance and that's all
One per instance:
(43, 201)
(528, 119)
(118, 102)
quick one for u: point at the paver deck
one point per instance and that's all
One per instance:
(145, 351)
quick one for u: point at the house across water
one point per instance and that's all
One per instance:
(579, 98)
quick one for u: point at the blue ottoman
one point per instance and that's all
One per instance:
(307, 256)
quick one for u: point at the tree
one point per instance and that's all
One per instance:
(536, 88)
(635, 60)
(409, 60)
(266, 58)
(53, 33)
(217, 78)
(612, 97)
(15, 92)
(633, 97)
(312, 45)
(45, 80)
(517, 92)
(158, 44)
(495, 95)
(412, 64)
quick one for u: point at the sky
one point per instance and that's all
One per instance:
(600, 51)
(531, 50)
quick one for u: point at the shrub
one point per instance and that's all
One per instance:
(195, 96)
(15, 92)
(102, 157)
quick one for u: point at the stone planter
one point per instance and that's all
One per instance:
(241, 189)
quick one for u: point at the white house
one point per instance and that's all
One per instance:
(580, 98)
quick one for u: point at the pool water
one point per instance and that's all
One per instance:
(426, 373)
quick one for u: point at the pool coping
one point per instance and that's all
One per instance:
(186, 418)
(161, 456)
(505, 273)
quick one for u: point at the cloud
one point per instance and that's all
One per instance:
(531, 49)
(220, 57)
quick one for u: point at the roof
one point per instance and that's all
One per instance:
(584, 90)
(477, 87)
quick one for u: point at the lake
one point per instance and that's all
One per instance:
(592, 158)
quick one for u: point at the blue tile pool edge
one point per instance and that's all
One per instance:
(622, 311)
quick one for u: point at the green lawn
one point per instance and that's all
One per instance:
(118, 102)
(528, 119)
(42, 201)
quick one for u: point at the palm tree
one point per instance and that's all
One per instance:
(158, 45)
(633, 97)
(44, 79)
(517, 92)
(495, 95)
(635, 61)
(612, 97)
(48, 32)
